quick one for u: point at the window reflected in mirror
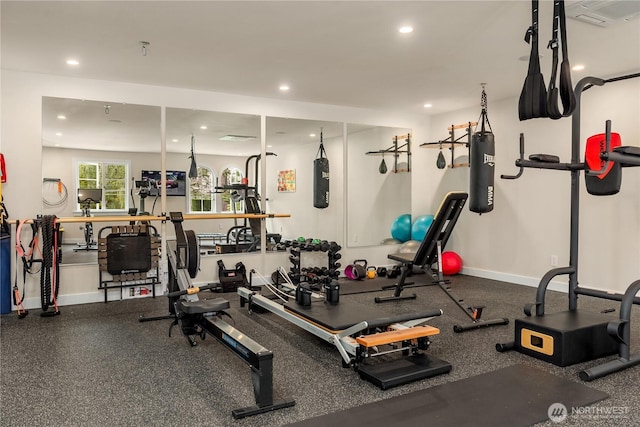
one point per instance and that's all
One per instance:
(223, 147)
(96, 145)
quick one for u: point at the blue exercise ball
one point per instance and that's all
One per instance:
(420, 227)
(401, 228)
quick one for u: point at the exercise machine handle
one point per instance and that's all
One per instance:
(191, 291)
(519, 174)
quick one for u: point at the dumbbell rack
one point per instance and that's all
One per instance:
(314, 275)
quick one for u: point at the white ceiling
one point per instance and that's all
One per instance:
(332, 52)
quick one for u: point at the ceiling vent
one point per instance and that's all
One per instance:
(604, 13)
(236, 138)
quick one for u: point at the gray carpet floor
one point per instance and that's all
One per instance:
(96, 365)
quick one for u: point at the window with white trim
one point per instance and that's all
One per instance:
(113, 177)
(231, 199)
(201, 191)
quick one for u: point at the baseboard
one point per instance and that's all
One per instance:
(34, 303)
(98, 296)
(514, 278)
(114, 294)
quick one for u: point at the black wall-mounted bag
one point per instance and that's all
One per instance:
(321, 178)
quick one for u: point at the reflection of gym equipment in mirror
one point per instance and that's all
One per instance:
(430, 253)
(574, 336)
(130, 255)
(87, 196)
(451, 142)
(198, 317)
(395, 150)
(246, 237)
(144, 189)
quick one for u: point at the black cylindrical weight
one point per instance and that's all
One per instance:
(332, 292)
(481, 194)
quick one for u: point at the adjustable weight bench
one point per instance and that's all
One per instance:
(429, 253)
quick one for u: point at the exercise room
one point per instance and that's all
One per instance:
(312, 213)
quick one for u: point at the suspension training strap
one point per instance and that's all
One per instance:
(533, 98)
(566, 88)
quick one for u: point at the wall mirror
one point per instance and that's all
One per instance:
(226, 151)
(95, 144)
(378, 182)
(289, 184)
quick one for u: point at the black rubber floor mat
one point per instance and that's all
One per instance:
(514, 396)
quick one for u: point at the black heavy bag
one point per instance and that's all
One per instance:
(482, 161)
(321, 178)
(482, 171)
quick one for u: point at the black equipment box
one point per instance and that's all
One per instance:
(404, 370)
(232, 248)
(231, 280)
(565, 338)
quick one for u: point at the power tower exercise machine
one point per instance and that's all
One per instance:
(198, 317)
(575, 336)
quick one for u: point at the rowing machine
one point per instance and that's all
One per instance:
(199, 317)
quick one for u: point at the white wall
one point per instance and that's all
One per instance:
(21, 129)
(311, 222)
(530, 220)
(375, 200)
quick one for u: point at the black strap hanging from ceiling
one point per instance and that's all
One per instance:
(533, 98)
(566, 88)
(193, 169)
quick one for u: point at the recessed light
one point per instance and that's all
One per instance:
(58, 133)
(174, 140)
(405, 29)
(312, 135)
(428, 105)
(284, 88)
(578, 67)
(269, 146)
(56, 145)
(73, 62)
(62, 117)
(203, 127)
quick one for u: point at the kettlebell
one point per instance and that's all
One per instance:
(382, 271)
(371, 272)
(357, 270)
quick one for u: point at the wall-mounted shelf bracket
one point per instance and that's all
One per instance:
(401, 145)
(451, 142)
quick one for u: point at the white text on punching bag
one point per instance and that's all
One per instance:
(488, 160)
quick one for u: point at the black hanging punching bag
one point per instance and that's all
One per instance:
(481, 190)
(321, 178)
